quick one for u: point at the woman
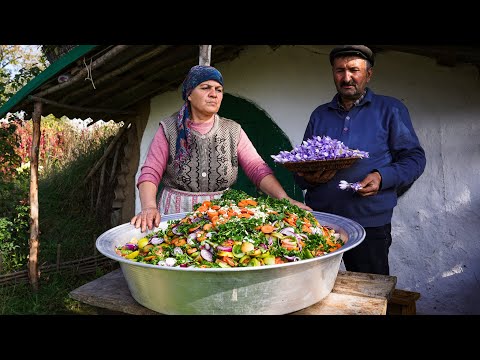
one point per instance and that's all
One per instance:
(196, 154)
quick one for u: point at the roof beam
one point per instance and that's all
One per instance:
(144, 73)
(100, 61)
(80, 108)
(120, 70)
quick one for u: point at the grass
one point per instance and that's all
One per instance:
(65, 215)
(51, 299)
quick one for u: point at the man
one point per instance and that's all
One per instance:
(380, 125)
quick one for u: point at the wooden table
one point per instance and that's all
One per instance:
(352, 294)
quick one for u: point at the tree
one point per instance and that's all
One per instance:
(18, 65)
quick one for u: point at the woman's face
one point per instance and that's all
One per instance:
(206, 98)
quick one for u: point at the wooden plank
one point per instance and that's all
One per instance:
(343, 304)
(404, 297)
(349, 296)
(403, 302)
(362, 284)
(110, 292)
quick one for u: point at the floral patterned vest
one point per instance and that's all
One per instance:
(213, 161)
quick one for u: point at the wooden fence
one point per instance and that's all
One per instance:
(78, 267)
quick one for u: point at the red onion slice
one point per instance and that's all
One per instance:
(156, 240)
(224, 248)
(176, 231)
(132, 247)
(207, 255)
(288, 231)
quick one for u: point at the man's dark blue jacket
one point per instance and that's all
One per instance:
(382, 126)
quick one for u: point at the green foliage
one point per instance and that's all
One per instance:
(18, 65)
(53, 52)
(14, 221)
(14, 240)
(9, 142)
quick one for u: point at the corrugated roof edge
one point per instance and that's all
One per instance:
(45, 75)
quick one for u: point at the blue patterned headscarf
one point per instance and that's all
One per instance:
(195, 76)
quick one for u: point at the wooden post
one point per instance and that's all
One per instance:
(95, 250)
(100, 190)
(205, 55)
(58, 256)
(34, 242)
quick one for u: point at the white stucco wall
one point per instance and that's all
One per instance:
(436, 248)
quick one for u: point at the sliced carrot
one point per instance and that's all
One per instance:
(228, 261)
(193, 229)
(247, 211)
(330, 243)
(211, 214)
(202, 208)
(325, 232)
(215, 207)
(290, 221)
(306, 229)
(267, 229)
(207, 227)
(207, 204)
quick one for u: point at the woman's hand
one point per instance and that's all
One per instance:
(147, 218)
(300, 204)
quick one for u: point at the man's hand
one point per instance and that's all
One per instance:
(317, 177)
(147, 218)
(370, 185)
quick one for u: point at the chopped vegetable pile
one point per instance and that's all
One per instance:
(236, 230)
(319, 148)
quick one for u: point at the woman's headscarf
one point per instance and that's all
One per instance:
(195, 76)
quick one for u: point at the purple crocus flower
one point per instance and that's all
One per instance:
(344, 185)
(319, 148)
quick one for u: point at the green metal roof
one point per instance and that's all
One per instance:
(45, 75)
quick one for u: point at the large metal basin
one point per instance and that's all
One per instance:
(276, 289)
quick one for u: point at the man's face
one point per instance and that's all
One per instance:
(351, 76)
